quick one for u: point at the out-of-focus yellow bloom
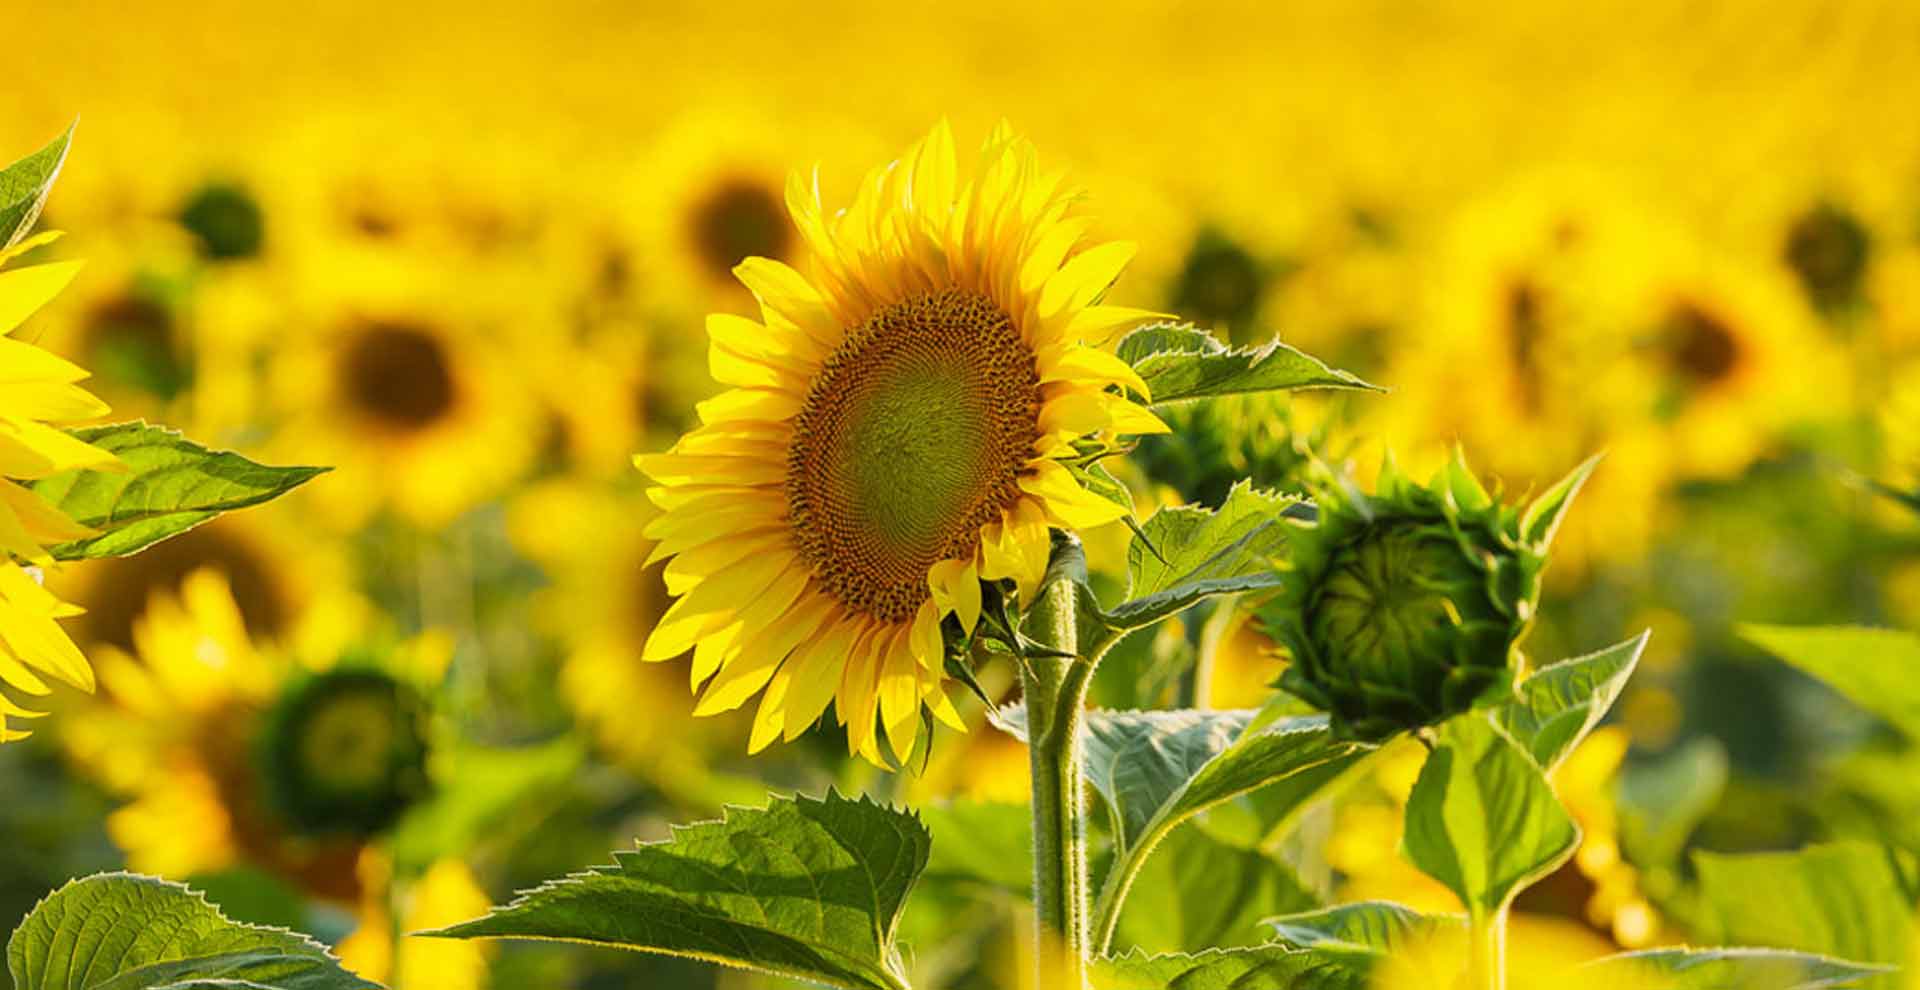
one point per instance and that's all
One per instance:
(382, 948)
(405, 380)
(36, 389)
(1584, 784)
(178, 733)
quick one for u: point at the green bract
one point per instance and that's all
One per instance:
(1406, 607)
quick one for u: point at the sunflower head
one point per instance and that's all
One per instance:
(1221, 283)
(343, 752)
(225, 220)
(1828, 248)
(893, 436)
(1406, 607)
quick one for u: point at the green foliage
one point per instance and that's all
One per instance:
(1198, 892)
(1265, 967)
(1405, 607)
(481, 788)
(170, 485)
(1482, 818)
(1559, 704)
(1661, 801)
(1156, 769)
(1877, 669)
(1179, 361)
(1843, 900)
(983, 843)
(1213, 446)
(119, 931)
(1368, 930)
(1204, 552)
(24, 186)
(1720, 969)
(810, 889)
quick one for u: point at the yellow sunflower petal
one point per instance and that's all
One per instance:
(1090, 364)
(1064, 500)
(1083, 279)
(27, 626)
(24, 290)
(956, 588)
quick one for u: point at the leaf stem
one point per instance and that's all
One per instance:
(1056, 691)
(1487, 959)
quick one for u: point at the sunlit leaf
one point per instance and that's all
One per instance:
(1843, 900)
(24, 186)
(805, 888)
(1720, 969)
(1204, 552)
(1482, 818)
(170, 486)
(119, 931)
(1370, 929)
(1197, 892)
(1265, 967)
(1180, 361)
(1557, 706)
(1877, 669)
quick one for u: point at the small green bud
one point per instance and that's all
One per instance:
(1406, 607)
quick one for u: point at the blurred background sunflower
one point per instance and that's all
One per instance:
(463, 255)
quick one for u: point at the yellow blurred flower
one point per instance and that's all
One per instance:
(229, 752)
(406, 380)
(382, 948)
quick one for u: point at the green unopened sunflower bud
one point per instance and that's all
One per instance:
(1406, 607)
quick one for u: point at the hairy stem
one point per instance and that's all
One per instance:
(1056, 690)
(1487, 959)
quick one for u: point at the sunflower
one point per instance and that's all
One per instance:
(710, 194)
(228, 750)
(38, 389)
(403, 377)
(890, 440)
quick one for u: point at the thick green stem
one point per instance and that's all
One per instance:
(1487, 962)
(1056, 690)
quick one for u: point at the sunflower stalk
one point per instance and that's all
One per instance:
(1056, 689)
(1487, 954)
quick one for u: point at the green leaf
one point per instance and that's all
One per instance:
(985, 843)
(119, 931)
(1155, 769)
(1720, 969)
(1482, 818)
(484, 788)
(1877, 669)
(1369, 929)
(1197, 892)
(1541, 520)
(170, 486)
(24, 186)
(1661, 801)
(1204, 552)
(1180, 361)
(1265, 967)
(1561, 703)
(1842, 900)
(809, 889)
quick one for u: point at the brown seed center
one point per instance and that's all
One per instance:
(910, 441)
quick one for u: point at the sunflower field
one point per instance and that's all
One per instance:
(1000, 496)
